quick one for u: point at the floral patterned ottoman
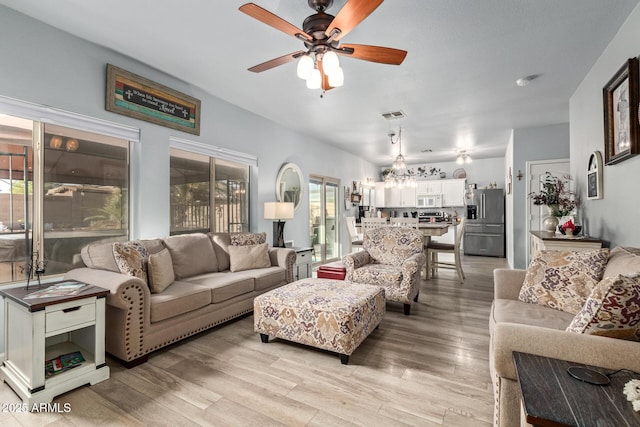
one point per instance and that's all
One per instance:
(329, 314)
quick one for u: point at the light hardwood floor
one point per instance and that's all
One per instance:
(427, 369)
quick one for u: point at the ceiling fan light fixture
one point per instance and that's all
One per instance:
(315, 79)
(330, 63)
(336, 79)
(305, 67)
(463, 158)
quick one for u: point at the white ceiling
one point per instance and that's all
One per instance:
(456, 86)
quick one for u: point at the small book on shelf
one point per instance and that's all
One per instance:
(62, 363)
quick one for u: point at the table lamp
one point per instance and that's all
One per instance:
(278, 211)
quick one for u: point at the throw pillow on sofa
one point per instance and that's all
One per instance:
(622, 261)
(245, 239)
(612, 310)
(248, 257)
(161, 273)
(192, 254)
(563, 279)
(131, 259)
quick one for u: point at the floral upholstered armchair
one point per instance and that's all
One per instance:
(392, 258)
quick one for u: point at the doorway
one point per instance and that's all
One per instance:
(536, 171)
(324, 218)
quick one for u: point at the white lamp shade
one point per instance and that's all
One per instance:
(305, 67)
(330, 63)
(336, 79)
(315, 79)
(278, 210)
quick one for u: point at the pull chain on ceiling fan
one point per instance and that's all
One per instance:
(321, 34)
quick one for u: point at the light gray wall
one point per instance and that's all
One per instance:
(613, 218)
(535, 143)
(509, 203)
(46, 66)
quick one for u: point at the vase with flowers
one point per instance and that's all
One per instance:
(556, 196)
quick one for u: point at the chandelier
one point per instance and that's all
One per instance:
(400, 176)
(463, 158)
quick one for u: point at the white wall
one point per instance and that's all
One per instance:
(611, 219)
(535, 143)
(49, 67)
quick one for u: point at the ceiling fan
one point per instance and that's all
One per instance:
(321, 34)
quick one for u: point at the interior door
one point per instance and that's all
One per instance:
(536, 171)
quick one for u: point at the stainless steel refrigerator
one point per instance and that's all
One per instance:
(484, 230)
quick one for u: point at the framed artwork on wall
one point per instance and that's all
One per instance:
(594, 176)
(620, 101)
(135, 96)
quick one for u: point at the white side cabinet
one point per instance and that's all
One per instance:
(41, 329)
(453, 192)
(303, 263)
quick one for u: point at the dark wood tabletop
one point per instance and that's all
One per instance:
(552, 397)
(36, 304)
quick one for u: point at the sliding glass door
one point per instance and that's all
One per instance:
(324, 218)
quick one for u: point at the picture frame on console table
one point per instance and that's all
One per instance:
(594, 176)
(138, 97)
(620, 102)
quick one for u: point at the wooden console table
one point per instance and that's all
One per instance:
(544, 240)
(551, 397)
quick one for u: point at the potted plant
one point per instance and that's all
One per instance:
(556, 196)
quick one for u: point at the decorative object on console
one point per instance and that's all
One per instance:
(569, 228)
(321, 34)
(278, 211)
(594, 176)
(290, 184)
(556, 196)
(400, 175)
(620, 98)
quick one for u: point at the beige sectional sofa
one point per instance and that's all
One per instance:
(183, 285)
(537, 329)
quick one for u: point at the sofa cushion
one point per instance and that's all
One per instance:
(160, 271)
(177, 299)
(622, 261)
(244, 239)
(224, 285)
(612, 310)
(249, 257)
(392, 245)
(153, 245)
(378, 274)
(563, 279)
(131, 259)
(512, 311)
(267, 277)
(100, 256)
(221, 242)
(192, 254)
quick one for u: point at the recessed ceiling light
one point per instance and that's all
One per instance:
(393, 115)
(524, 81)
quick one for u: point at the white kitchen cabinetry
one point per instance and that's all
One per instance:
(453, 192)
(400, 198)
(429, 187)
(379, 195)
(41, 329)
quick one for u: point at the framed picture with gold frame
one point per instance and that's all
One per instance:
(135, 96)
(620, 99)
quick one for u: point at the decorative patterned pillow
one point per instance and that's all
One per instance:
(131, 258)
(248, 239)
(563, 279)
(612, 310)
(161, 273)
(248, 257)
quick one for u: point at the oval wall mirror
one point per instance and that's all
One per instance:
(290, 184)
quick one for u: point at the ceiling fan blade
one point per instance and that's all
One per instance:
(383, 55)
(325, 80)
(351, 14)
(276, 62)
(263, 15)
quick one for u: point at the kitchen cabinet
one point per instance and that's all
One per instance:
(379, 201)
(400, 197)
(429, 187)
(453, 191)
